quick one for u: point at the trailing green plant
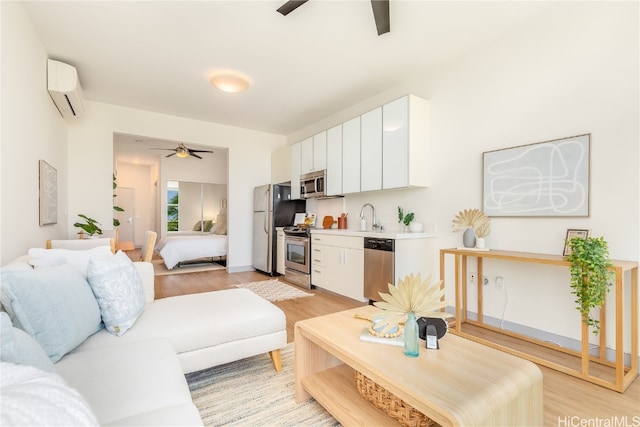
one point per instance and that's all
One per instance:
(116, 222)
(591, 275)
(89, 226)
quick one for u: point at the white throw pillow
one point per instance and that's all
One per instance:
(118, 289)
(220, 228)
(39, 257)
(32, 397)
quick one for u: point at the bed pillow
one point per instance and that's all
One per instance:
(220, 228)
(118, 289)
(207, 225)
(16, 346)
(32, 397)
(53, 305)
(40, 257)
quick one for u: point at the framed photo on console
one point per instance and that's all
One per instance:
(571, 233)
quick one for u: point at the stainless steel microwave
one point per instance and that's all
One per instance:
(313, 184)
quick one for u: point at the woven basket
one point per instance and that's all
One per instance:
(391, 404)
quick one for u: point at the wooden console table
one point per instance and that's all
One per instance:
(622, 376)
(463, 383)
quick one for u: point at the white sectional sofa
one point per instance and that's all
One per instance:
(136, 378)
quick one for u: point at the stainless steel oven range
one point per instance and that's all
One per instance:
(297, 261)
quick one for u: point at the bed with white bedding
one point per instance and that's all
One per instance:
(182, 248)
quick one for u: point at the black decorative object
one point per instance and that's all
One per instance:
(441, 326)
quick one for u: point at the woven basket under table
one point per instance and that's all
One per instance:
(390, 403)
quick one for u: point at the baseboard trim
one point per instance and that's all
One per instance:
(240, 269)
(559, 340)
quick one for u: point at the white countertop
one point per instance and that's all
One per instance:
(387, 234)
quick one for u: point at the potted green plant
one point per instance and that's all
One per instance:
(591, 275)
(89, 226)
(405, 219)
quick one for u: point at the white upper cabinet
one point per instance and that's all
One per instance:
(296, 155)
(313, 153)
(384, 148)
(306, 159)
(404, 143)
(334, 161)
(371, 150)
(351, 156)
(320, 151)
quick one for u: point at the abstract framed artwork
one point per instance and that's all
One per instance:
(48, 194)
(545, 179)
(571, 233)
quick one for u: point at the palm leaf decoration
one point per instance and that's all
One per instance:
(471, 218)
(412, 295)
(483, 230)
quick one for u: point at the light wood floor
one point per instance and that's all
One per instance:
(568, 401)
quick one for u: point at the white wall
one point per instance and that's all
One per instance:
(570, 76)
(92, 138)
(32, 130)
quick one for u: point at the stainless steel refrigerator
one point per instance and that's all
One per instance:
(272, 207)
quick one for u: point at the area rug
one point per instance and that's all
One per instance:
(274, 290)
(250, 392)
(160, 269)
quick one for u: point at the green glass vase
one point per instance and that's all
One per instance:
(411, 347)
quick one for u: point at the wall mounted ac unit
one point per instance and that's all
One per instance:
(64, 88)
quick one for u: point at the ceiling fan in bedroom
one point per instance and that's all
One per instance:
(380, 12)
(183, 151)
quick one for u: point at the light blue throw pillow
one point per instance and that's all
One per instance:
(118, 289)
(18, 347)
(54, 305)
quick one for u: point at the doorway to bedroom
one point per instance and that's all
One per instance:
(152, 166)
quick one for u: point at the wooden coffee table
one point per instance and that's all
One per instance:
(462, 383)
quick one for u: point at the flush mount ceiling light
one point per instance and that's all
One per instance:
(230, 82)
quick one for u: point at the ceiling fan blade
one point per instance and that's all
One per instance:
(290, 6)
(200, 151)
(195, 155)
(381, 15)
(172, 154)
(153, 148)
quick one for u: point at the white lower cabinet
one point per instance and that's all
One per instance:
(337, 264)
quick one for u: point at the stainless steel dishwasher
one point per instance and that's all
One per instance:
(378, 266)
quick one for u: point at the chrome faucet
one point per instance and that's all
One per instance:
(376, 225)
